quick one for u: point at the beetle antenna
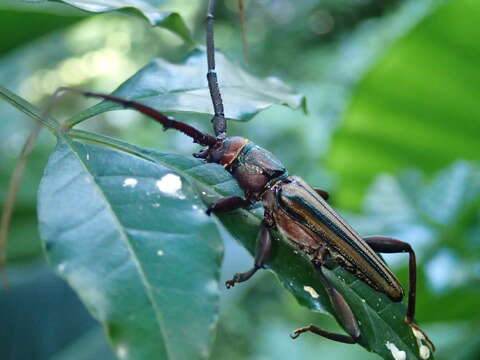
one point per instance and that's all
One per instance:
(198, 136)
(218, 120)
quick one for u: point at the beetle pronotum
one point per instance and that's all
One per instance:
(300, 213)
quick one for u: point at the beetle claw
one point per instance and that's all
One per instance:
(202, 154)
(299, 331)
(295, 335)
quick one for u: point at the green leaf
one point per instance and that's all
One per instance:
(147, 8)
(417, 107)
(36, 21)
(381, 321)
(28, 109)
(134, 242)
(183, 88)
(89, 346)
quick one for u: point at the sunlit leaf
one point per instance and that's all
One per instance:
(183, 88)
(417, 107)
(147, 8)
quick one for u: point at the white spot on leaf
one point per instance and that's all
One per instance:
(311, 291)
(170, 184)
(205, 353)
(61, 267)
(396, 353)
(418, 334)
(212, 287)
(424, 351)
(130, 182)
(160, 253)
(122, 351)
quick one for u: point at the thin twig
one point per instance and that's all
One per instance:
(11, 197)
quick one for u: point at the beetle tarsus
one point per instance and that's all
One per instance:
(344, 312)
(299, 331)
(346, 339)
(202, 154)
(262, 252)
(241, 277)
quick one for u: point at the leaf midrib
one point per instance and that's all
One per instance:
(125, 238)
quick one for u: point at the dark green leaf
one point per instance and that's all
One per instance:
(147, 8)
(133, 240)
(381, 321)
(417, 107)
(37, 300)
(36, 21)
(182, 88)
(90, 346)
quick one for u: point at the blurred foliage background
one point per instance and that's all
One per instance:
(392, 132)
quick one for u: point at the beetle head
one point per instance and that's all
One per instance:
(224, 151)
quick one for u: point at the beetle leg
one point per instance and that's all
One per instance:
(341, 308)
(324, 194)
(264, 245)
(387, 245)
(228, 204)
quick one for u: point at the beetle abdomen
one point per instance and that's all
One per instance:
(302, 204)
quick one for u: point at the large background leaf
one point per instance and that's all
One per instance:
(135, 244)
(417, 107)
(22, 335)
(183, 88)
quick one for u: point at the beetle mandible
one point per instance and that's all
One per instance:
(300, 213)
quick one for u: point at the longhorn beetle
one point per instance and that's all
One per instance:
(300, 213)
